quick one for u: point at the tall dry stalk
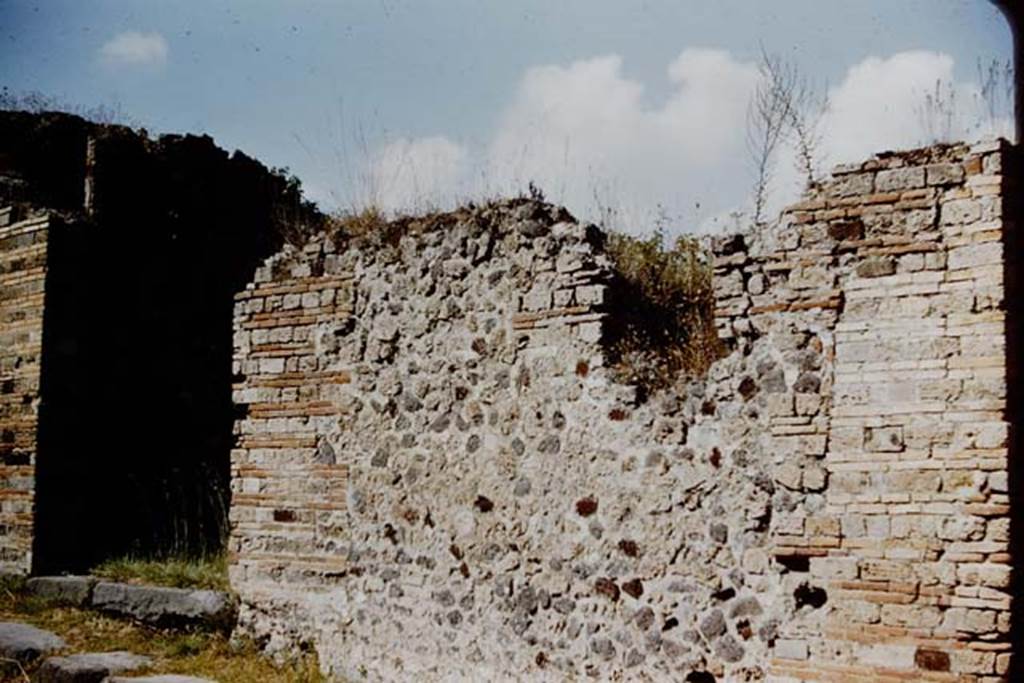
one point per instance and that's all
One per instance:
(785, 107)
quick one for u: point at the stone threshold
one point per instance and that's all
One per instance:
(157, 606)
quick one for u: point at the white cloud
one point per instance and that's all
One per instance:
(417, 174)
(587, 135)
(904, 101)
(132, 48)
(908, 99)
(879, 105)
(584, 134)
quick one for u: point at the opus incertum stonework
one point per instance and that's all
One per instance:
(436, 477)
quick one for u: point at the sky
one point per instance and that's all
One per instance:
(634, 112)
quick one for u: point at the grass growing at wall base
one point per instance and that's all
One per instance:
(206, 655)
(209, 572)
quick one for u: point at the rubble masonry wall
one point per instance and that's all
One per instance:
(436, 478)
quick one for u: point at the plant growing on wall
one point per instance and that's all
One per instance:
(785, 108)
(663, 329)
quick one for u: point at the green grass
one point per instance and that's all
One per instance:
(209, 572)
(206, 655)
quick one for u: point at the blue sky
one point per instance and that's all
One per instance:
(411, 103)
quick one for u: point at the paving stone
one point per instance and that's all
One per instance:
(26, 643)
(72, 590)
(166, 607)
(93, 667)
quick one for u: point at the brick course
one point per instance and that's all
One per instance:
(23, 252)
(911, 541)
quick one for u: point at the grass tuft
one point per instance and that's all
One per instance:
(210, 572)
(367, 223)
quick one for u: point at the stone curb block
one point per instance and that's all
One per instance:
(166, 607)
(93, 667)
(70, 590)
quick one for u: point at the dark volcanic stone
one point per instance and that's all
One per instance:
(166, 607)
(25, 643)
(88, 668)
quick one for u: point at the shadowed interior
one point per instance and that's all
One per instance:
(135, 418)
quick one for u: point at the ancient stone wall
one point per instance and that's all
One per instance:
(902, 263)
(23, 246)
(436, 477)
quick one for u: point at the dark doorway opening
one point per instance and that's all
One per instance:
(136, 416)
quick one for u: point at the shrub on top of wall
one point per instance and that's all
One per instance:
(662, 330)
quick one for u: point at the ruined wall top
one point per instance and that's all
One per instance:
(436, 477)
